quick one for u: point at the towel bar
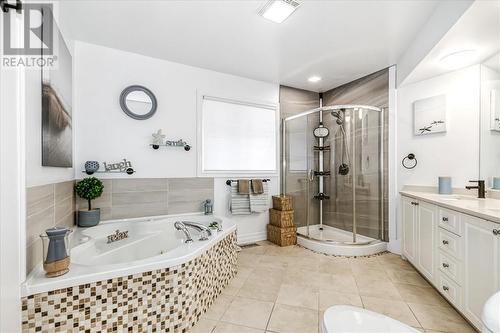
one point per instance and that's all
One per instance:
(229, 181)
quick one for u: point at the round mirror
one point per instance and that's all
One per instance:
(138, 102)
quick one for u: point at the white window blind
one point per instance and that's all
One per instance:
(238, 136)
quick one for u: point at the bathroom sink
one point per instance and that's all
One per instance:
(457, 198)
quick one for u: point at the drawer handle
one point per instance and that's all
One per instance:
(445, 219)
(496, 232)
(414, 203)
(445, 242)
(445, 265)
(445, 288)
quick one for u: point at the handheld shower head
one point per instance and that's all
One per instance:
(339, 115)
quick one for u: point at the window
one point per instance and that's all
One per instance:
(237, 137)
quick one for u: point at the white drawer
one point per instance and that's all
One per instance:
(450, 290)
(450, 266)
(450, 243)
(450, 221)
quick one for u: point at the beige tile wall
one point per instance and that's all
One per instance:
(136, 197)
(46, 206)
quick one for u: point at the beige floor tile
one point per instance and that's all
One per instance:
(440, 318)
(223, 327)
(248, 259)
(278, 250)
(248, 312)
(422, 295)
(394, 309)
(274, 261)
(260, 290)
(329, 298)
(377, 288)
(341, 283)
(301, 277)
(203, 326)
(291, 319)
(395, 262)
(254, 249)
(298, 296)
(306, 263)
(268, 275)
(244, 271)
(369, 273)
(408, 277)
(338, 267)
(217, 309)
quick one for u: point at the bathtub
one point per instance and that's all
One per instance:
(153, 243)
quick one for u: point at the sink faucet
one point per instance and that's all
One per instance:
(203, 229)
(480, 188)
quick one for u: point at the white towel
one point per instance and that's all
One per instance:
(259, 202)
(240, 203)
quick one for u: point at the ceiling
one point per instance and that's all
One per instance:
(337, 40)
(478, 29)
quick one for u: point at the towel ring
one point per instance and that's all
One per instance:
(409, 157)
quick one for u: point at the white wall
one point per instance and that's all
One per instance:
(105, 133)
(454, 153)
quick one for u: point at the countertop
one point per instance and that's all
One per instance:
(487, 209)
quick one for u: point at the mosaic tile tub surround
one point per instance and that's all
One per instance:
(165, 300)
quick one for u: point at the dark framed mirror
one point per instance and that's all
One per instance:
(138, 102)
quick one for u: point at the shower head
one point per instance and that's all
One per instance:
(339, 115)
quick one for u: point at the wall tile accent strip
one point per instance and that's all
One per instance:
(165, 300)
(137, 197)
(46, 206)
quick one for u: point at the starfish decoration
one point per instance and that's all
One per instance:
(158, 138)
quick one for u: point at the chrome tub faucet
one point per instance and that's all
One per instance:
(205, 231)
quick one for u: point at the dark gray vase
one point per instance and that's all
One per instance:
(89, 218)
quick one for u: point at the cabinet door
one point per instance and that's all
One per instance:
(426, 239)
(481, 258)
(409, 213)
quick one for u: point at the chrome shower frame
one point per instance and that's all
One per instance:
(336, 109)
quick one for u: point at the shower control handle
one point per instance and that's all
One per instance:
(310, 175)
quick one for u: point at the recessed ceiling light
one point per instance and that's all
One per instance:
(314, 79)
(459, 59)
(278, 10)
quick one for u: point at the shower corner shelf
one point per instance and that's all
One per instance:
(322, 196)
(322, 173)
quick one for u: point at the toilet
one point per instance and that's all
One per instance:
(351, 319)
(491, 314)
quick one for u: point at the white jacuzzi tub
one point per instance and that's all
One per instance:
(152, 243)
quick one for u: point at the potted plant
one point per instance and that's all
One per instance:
(89, 188)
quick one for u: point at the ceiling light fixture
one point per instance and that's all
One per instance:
(278, 10)
(314, 79)
(459, 59)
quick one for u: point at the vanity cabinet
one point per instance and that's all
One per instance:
(419, 235)
(481, 264)
(459, 254)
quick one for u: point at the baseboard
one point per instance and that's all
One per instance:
(251, 237)
(394, 246)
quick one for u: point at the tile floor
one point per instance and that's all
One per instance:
(286, 290)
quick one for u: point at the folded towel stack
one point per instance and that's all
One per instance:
(249, 197)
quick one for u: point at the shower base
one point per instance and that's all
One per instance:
(339, 242)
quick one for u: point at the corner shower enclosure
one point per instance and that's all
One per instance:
(333, 168)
